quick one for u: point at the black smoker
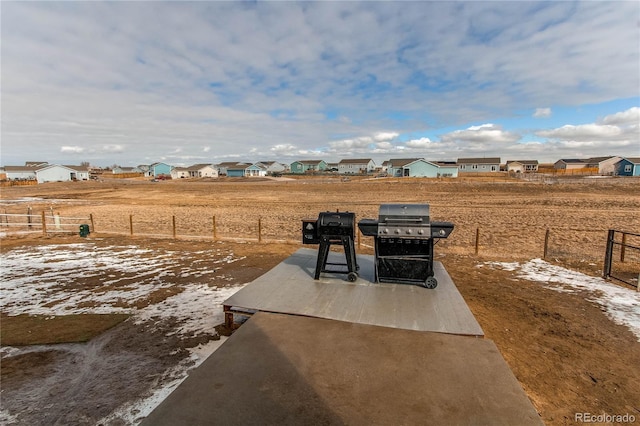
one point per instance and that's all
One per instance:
(332, 228)
(404, 239)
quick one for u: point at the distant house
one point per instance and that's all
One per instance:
(20, 172)
(396, 166)
(522, 166)
(356, 166)
(419, 167)
(478, 165)
(447, 168)
(44, 172)
(123, 170)
(224, 167)
(82, 172)
(305, 166)
(273, 167)
(628, 167)
(384, 167)
(247, 170)
(179, 173)
(332, 167)
(56, 173)
(569, 164)
(202, 170)
(605, 165)
(159, 169)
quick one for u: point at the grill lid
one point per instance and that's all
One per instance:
(407, 220)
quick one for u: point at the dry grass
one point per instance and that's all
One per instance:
(23, 330)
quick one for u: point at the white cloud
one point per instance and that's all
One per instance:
(486, 134)
(71, 149)
(629, 117)
(542, 113)
(583, 132)
(419, 143)
(385, 136)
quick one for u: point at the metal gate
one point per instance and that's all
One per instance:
(622, 258)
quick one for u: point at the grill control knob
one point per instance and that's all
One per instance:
(442, 232)
(397, 231)
(408, 231)
(420, 231)
(386, 231)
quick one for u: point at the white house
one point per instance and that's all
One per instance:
(273, 166)
(356, 166)
(478, 165)
(82, 172)
(19, 172)
(202, 170)
(56, 173)
(179, 173)
(522, 166)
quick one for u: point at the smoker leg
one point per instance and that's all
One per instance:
(323, 252)
(350, 254)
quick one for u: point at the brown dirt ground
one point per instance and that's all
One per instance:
(568, 356)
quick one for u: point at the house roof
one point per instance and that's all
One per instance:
(355, 161)
(522, 161)
(445, 163)
(197, 167)
(309, 161)
(18, 169)
(399, 162)
(571, 160)
(227, 164)
(77, 168)
(488, 160)
(634, 160)
(35, 163)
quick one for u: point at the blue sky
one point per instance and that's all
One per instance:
(132, 83)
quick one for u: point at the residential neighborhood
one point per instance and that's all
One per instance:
(42, 171)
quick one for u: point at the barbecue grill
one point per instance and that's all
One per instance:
(404, 238)
(332, 228)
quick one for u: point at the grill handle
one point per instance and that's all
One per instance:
(404, 219)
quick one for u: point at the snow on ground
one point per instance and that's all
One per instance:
(88, 278)
(621, 304)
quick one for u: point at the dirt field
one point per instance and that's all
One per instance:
(569, 356)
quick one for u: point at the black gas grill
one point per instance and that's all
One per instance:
(332, 228)
(404, 239)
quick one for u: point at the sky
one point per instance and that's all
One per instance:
(129, 83)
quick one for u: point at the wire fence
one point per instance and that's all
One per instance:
(563, 244)
(622, 258)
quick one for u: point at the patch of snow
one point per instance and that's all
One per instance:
(39, 280)
(621, 304)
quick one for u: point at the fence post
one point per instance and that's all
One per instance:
(477, 239)
(174, 225)
(215, 237)
(608, 257)
(29, 213)
(44, 224)
(546, 243)
(622, 247)
(131, 224)
(93, 226)
(259, 229)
